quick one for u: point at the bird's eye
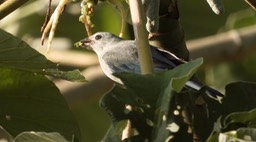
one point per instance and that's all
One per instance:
(97, 37)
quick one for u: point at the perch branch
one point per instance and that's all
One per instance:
(138, 22)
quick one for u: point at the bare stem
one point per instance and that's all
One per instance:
(9, 6)
(141, 35)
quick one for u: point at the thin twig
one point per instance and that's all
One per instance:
(47, 16)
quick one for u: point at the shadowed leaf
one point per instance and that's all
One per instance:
(149, 97)
(16, 54)
(30, 102)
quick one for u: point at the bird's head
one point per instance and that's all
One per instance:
(98, 41)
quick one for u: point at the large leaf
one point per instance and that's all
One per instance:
(16, 54)
(166, 103)
(150, 97)
(30, 102)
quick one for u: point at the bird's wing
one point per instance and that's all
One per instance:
(164, 59)
(122, 61)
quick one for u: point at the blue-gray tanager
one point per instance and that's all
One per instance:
(118, 55)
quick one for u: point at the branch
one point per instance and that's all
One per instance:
(141, 36)
(9, 6)
(224, 45)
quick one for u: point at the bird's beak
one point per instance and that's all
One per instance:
(84, 43)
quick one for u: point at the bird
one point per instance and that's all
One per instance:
(117, 55)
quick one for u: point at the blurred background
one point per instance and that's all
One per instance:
(200, 24)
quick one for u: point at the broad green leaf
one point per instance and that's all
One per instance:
(183, 73)
(150, 97)
(178, 76)
(40, 137)
(30, 102)
(177, 79)
(16, 54)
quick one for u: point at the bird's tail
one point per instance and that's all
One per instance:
(212, 93)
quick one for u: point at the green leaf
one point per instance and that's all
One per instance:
(183, 73)
(30, 102)
(178, 78)
(40, 137)
(149, 97)
(16, 54)
(74, 75)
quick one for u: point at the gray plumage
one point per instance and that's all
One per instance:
(118, 55)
